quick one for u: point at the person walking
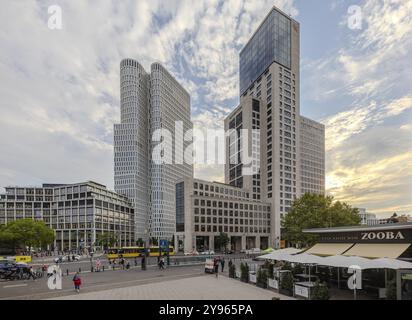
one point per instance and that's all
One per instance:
(77, 281)
(128, 265)
(216, 268)
(222, 263)
(31, 273)
(98, 265)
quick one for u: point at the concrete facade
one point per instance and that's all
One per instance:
(77, 212)
(212, 208)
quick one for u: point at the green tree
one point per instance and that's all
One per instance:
(106, 240)
(140, 242)
(316, 211)
(154, 241)
(222, 241)
(28, 233)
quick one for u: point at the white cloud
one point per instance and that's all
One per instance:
(60, 88)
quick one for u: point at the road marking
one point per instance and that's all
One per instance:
(15, 286)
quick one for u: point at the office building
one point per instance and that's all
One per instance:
(270, 80)
(150, 102)
(312, 156)
(207, 209)
(77, 213)
(291, 159)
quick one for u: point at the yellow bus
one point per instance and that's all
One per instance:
(135, 252)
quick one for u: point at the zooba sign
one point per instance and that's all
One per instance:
(384, 235)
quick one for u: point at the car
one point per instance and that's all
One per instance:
(192, 253)
(60, 259)
(208, 253)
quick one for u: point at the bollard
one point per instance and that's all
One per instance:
(80, 270)
(103, 268)
(67, 272)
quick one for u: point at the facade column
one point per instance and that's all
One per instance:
(70, 240)
(243, 242)
(257, 242)
(211, 243)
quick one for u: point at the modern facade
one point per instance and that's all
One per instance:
(151, 102)
(270, 76)
(77, 213)
(205, 209)
(312, 156)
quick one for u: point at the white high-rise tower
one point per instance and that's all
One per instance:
(149, 102)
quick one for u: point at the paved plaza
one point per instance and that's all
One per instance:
(205, 287)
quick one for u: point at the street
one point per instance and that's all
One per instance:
(96, 281)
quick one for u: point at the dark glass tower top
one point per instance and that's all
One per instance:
(270, 43)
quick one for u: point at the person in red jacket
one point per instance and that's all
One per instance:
(77, 282)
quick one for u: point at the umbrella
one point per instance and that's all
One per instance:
(386, 263)
(305, 258)
(279, 255)
(346, 262)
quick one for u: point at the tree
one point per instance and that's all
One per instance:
(140, 242)
(222, 240)
(28, 233)
(316, 211)
(106, 240)
(154, 241)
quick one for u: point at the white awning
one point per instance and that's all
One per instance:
(345, 262)
(279, 255)
(329, 249)
(385, 263)
(375, 250)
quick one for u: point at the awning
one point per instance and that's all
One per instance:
(374, 250)
(329, 249)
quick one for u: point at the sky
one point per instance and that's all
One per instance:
(60, 94)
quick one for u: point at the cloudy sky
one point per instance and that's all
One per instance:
(60, 95)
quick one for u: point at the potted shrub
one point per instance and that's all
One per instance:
(244, 273)
(286, 284)
(232, 271)
(320, 292)
(391, 291)
(262, 278)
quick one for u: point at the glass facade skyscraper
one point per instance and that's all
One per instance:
(271, 43)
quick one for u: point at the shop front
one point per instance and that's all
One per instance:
(391, 241)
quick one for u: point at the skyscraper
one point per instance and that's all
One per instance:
(270, 98)
(312, 156)
(149, 102)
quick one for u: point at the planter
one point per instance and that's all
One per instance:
(262, 285)
(252, 278)
(273, 284)
(286, 292)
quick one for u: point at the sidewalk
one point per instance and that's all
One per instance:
(199, 288)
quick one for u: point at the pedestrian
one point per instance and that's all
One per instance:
(135, 262)
(77, 281)
(31, 273)
(128, 265)
(222, 263)
(216, 268)
(230, 263)
(162, 263)
(98, 265)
